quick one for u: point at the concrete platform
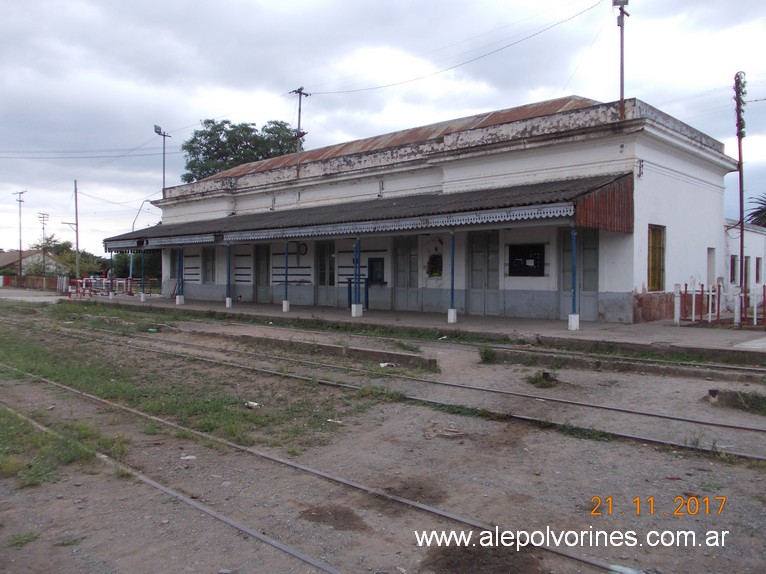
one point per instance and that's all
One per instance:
(659, 335)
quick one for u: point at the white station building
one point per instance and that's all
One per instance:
(546, 210)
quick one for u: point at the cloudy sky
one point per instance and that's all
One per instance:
(84, 82)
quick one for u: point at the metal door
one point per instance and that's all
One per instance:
(325, 274)
(484, 273)
(406, 288)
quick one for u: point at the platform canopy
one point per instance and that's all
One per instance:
(600, 202)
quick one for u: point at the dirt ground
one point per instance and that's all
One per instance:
(511, 474)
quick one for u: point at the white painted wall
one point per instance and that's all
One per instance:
(678, 192)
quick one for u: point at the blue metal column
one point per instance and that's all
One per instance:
(228, 274)
(181, 272)
(452, 312)
(285, 301)
(357, 271)
(574, 270)
(452, 272)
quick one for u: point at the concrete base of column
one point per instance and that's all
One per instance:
(574, 322)
(285, 306)
(451, 316)
(357, 310)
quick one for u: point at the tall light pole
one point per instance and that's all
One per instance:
(164, 136)
(621, 23)
(20, 200)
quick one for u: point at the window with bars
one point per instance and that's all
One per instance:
(656, 264)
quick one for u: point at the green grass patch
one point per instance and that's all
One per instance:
(33, 456)
(751, 402)
(70, 541)
(487, 355)
(21, 540)
(585, 433)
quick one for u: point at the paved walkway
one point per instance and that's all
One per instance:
(658, 334)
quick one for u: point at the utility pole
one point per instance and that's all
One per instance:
(739, 99)
(164, 136)
(43, 218)
(621, 24)
(299, 134)
(20, 200)
(76, 226)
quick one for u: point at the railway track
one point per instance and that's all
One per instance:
(347, 376)
(700, 434)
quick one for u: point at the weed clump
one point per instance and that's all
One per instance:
(543, 380)
(487, 355)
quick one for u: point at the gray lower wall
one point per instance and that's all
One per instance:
(615, 307)
(528, 304)
(524, 304)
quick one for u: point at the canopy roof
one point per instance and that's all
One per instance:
(608, 199)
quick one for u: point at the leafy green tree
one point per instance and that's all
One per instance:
(219, 146)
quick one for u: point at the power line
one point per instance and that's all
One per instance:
(466, 62)
(120, 156)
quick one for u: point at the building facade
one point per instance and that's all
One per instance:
(535, 211)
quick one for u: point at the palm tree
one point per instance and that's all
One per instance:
(757, 214)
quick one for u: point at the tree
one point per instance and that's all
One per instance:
(757, 214)
(222, 145)
(61, 259)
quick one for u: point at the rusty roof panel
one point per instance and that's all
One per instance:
(410, 136)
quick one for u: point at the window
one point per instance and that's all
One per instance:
(526, 260)
(656, 264)
(375, 271)
(733, 269)
(208, 264)
(758, 266)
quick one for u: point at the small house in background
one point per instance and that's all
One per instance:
(539, 211)
(9, 264)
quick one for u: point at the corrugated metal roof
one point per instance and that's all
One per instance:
(384, 209)
(411, 136)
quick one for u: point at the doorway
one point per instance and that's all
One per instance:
(262, 273)
(484, 273)
(406, 288)
(587, 274)
(325, 273)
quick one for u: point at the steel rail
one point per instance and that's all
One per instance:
(504, 392)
